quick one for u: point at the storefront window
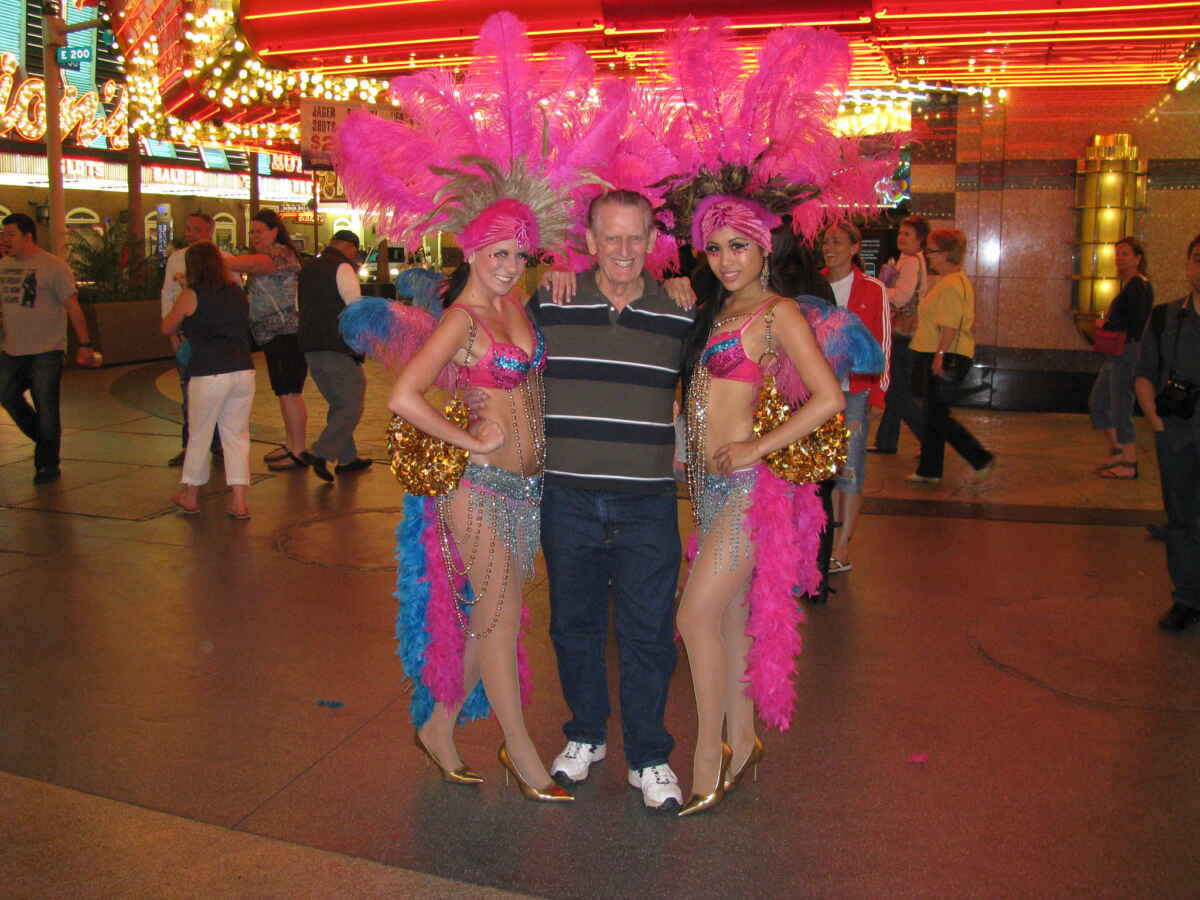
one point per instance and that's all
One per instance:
(225, 233)
(84, 223)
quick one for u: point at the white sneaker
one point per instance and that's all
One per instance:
(658, 785)
(575, 760)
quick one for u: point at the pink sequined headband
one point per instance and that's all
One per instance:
(747, 218)
(504, 220)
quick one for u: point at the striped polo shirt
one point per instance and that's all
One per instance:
(610, 386)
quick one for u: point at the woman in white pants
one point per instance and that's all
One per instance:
(212, 313)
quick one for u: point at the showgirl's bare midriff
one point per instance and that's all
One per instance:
(731, 416)
(519, 414)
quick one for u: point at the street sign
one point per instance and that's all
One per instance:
(71, 57)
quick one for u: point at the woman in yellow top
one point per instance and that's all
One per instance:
(945, 324)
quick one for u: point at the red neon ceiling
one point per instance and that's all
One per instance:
(997, 42)
(1000, 43)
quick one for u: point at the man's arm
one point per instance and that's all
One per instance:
(84, 355)
(347, 284)
(909, 270)
(170, 290)
(1143, 389)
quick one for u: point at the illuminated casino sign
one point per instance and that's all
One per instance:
(23, 105)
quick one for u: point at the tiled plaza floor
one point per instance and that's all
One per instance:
(986, 708)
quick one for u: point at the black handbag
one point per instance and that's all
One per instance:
(948, 386)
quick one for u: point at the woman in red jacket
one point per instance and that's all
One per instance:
(866, 297)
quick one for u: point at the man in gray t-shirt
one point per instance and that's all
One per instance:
(38, 298)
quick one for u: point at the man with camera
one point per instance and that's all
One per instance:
(1167, 387)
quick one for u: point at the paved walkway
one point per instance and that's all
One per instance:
(986, 708)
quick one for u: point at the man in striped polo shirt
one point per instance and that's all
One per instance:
(609, 514)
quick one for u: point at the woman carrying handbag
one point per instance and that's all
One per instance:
(944, 343)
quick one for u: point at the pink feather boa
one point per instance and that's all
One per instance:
(785, 522)
(443, 672)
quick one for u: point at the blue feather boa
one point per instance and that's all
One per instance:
(413, 571)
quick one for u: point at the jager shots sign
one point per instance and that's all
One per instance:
(319, 119)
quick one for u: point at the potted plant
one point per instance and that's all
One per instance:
(118, 292)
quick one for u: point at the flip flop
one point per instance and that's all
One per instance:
(183, 509)
(1109, 471)
(275, 455)
(287, 462)
(237, 515)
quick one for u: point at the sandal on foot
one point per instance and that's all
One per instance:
(287, 463)
(183, 508)
(836, 566)
(1110, 471)
(233, 514)
(276, 455)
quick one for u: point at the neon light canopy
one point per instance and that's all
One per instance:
(234, 71)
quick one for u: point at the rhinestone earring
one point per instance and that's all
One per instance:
(764, 277)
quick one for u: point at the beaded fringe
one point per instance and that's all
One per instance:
(508, 505)
(722, 504)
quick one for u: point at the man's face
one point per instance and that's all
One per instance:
(197, 230)
(18, 243)
(345, 248)
(619, 239)
(1193, 269)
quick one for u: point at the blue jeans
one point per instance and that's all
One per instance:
(41, 375)
(1111, 401)
(1179, 468)
(853, 473)
(594, 540)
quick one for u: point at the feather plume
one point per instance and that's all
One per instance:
(767, 137)
(424, 287)
(502, 71)
(844, 340)
(389, 333)
(504, 132)
(430, 643)
(785, 522)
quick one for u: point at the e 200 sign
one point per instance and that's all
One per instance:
(71, 57)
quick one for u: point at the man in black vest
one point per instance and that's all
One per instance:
(328, 285)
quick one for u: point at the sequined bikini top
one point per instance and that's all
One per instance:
(504, 366)
(725, 357)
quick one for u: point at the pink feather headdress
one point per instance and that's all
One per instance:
(505, 133)
(767, 137)
(506, 219)
(747, 218)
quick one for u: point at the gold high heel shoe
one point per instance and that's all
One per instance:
(697, 803)
(756, 754)
(461, 775)
(551, 793)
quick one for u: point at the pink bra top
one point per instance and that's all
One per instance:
(725, 357)
(504, 366)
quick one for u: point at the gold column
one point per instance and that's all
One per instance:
(1110, 188)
